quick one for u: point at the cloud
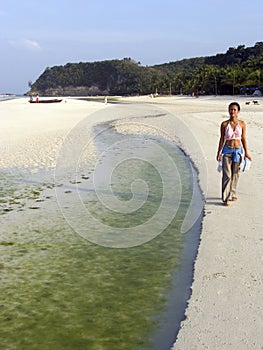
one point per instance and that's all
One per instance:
(26, 44)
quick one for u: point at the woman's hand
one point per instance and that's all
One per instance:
(218, 156)
(248, 156)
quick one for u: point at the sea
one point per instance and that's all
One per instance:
(5, 97)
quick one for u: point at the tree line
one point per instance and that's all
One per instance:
(222, 74)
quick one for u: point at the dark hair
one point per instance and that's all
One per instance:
(234, 104)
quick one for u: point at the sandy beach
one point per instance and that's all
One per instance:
(225, 308)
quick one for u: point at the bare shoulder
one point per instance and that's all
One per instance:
(242, 123)
(225, 122)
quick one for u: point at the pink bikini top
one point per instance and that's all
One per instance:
(231, 134)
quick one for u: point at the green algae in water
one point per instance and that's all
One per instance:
(81, 295)
(120, 186)
(17, 194)
(59, 291)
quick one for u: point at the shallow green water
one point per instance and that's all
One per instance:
(60, 291)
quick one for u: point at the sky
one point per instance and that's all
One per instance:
(36, 35)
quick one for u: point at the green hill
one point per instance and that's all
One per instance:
(223, 73)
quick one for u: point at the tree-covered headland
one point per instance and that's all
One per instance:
(222, 74)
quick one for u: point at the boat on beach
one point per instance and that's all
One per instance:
(54, 100)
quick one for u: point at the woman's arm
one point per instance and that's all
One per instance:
(221, 141)
(244, 140)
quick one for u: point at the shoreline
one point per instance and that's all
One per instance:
(224, 310)
(174, 319)
(225, 307)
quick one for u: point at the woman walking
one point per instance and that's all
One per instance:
(232, 145)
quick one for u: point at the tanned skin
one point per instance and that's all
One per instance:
(233, 119)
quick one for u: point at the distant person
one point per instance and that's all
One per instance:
(230, 152)
(37, 99)
(105, 100)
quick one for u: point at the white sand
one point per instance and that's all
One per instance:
(225, 309)
(32, 134)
